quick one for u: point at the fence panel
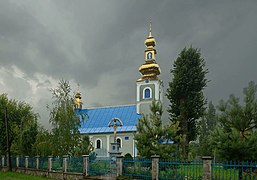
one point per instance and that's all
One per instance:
(234, 170)
(137, 168)
(32, 163)
(13, 161)
(180, 170)
(57, 164)
(75, 164)
(43, 163)
(22, 162)
(102, 166)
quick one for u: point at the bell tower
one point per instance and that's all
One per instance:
(149, 86)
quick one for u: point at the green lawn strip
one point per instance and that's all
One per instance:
(19, 176)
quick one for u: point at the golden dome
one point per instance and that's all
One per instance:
(150, 69)
(77, 101)
(150, 41)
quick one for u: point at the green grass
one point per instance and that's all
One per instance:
(19, 176)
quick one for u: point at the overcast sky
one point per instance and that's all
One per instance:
(100, 45)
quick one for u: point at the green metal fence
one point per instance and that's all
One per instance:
(57, 164)
(177, 170)
(13, 161)
(234, 170)
(137, 168)
(43, 163)
(22, 162)
(75, 164)
(102, 166)
(32, 163)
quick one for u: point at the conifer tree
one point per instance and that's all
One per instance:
(207, 125)
(236, 137)
(150, 133)
(185, 94)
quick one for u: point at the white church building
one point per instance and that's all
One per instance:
(148, 88)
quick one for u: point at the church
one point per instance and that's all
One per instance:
(148, 88)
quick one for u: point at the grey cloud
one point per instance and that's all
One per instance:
(87, 41)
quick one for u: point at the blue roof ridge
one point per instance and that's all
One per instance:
(110, 106)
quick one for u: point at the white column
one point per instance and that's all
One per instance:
(107, 144)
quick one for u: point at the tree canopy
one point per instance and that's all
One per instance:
(23, 126)
(64, 138)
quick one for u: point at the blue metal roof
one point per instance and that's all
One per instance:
(99, 118)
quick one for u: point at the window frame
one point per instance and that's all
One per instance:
(144, 91)
(120, 146)
(101, 145)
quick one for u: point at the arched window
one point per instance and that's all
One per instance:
(98, 144)
(147, 93)
(119, 142)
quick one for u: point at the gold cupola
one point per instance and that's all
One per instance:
(77, 101)
(150, 69)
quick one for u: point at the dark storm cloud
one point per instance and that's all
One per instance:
(100, 44)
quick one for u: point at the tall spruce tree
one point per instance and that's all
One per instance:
(150, 131)
(185, 94)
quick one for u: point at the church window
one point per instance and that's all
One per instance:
(119, 142)
(98, 144)
(147, 93)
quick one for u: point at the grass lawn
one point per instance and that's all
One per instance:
(19, 176)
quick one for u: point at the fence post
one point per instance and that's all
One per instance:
(37, 162)
(64, 164)
(17, 161)
(155, 167)
(3, 164)
(50, 163)
(26, 162)
(207, 175)
(86, 165)
(119, 163)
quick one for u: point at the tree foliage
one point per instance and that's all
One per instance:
(23, 126)
(185, 93)
(44, 144)
(236, 137)
(150, 131)
(207, 125)
(65, 133)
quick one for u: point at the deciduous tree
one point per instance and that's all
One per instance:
(23, 126)
(65, 121)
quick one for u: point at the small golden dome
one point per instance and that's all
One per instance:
(150, 41)
(77, 101)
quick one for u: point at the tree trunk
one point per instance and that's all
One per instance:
(184, 130)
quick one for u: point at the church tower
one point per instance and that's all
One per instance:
(149, 86)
